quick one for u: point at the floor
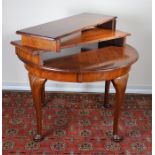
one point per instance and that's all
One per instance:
(75, 123)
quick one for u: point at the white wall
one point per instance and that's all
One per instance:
(134, 16)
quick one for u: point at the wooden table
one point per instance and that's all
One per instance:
(111, 61)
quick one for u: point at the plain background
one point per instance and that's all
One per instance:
(133, 16)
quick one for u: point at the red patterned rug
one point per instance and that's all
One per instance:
(74, 124)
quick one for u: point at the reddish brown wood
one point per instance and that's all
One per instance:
(102, 59)
(37, 87)
(27, 54)
(112, 61)
(63, 27)
(120, 86)
(41, 43)
(48, 36)
(106, 95)
(91, 76)
(91, 36)
(107, 58)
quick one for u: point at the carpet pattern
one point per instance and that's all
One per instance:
(75, 124)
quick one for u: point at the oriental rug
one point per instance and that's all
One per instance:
(75, 124)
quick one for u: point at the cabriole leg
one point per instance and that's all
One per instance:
(120, 87)
(37, 88)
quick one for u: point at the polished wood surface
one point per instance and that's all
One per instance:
(27, 54)
(120, 84)
(48, 36)
(41, 43)
(90, 76)
(37, 87)
(110, 62)
(108, 58)
(63, 27)
(93, 35)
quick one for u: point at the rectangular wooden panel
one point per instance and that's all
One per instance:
(93, 35)
(29, 56)
(41, 43)
(66, 26)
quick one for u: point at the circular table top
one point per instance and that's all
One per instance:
(102, 59)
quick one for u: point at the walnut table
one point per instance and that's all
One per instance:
(110, 61)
